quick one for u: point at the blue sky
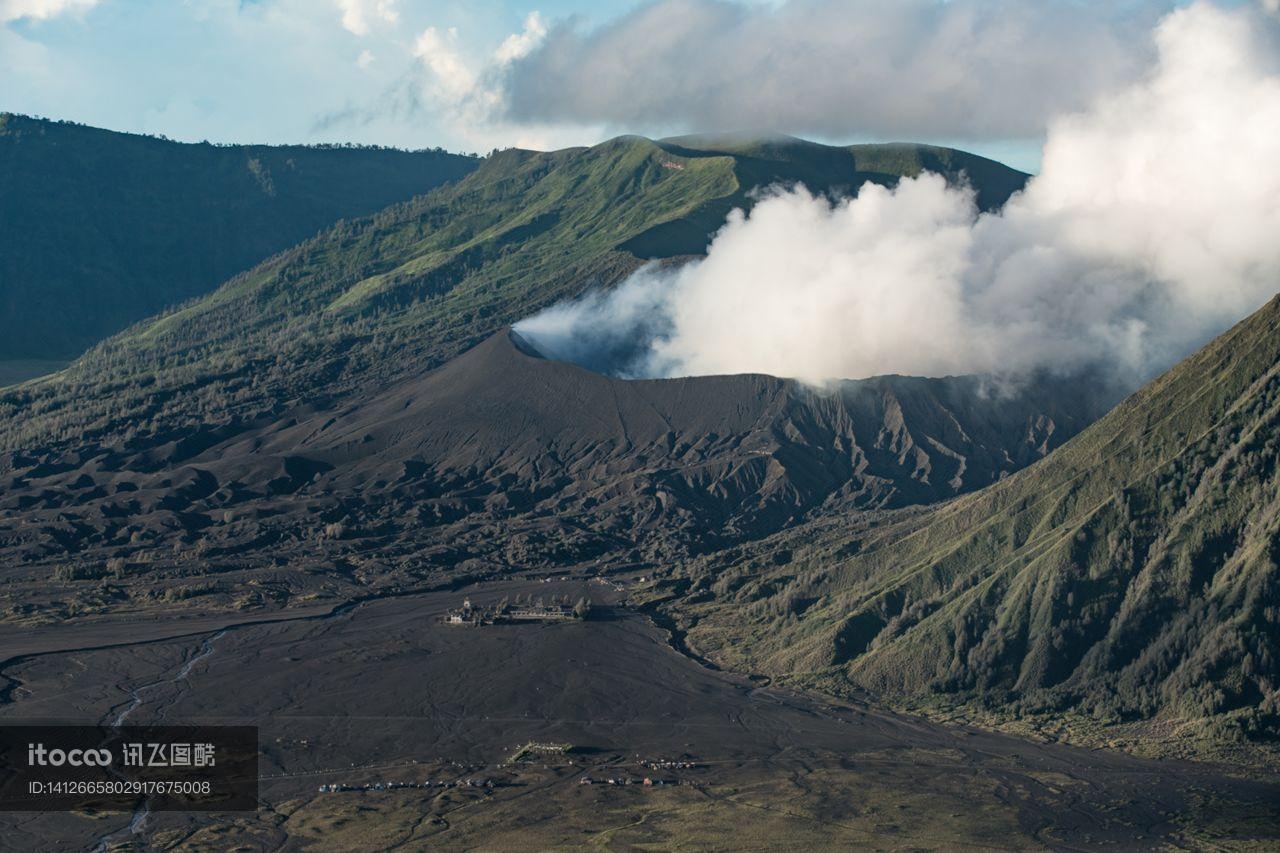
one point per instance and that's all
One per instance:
(471, 76)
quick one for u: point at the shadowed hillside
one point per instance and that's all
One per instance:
(102, 229)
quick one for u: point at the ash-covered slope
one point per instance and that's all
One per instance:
(525, 461)
(1132, 575)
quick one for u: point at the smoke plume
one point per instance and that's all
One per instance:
(1154, 224)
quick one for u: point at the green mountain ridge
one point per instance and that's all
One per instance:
(402, 291)
(102, 229)
(1132, 576)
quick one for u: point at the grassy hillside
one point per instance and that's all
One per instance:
(380, 298)
(822, 168)
(1128, 580)
(102, 229)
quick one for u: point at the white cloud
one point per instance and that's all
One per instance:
(357, 15)
(365, 59)
(467, 89)
(457, 78)
(452, 79)
(1151, 228)
(521, 44)
(12, 10)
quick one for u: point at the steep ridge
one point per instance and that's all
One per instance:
(102, 229)
(525, 462)
(1130, 576)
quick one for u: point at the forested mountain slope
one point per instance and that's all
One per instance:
(101, 229)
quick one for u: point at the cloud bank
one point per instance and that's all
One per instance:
(895, 68)
(1152, 227)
